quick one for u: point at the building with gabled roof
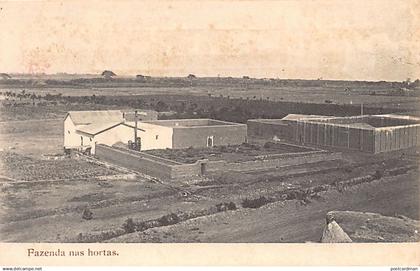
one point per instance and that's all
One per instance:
(95, 116)
(84, 129)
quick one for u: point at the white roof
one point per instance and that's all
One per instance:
(96, 128)
(100, 116)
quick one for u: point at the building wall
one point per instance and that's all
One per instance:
(185, 137)
(147, 164)
(298, 159)
(268, 130)
(120, 133)
(397, 138)
(164, 169)
(141, 116)
(326, 134)
(132, 161)
(319, 134)
(71, 137)
(155, 136)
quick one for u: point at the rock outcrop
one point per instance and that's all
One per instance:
(333, 233)
(347, 226)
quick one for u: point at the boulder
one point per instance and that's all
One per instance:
(370, 227)
(333, 233)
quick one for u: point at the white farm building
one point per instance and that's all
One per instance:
(83, 130)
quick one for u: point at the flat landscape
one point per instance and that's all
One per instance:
(45, 194)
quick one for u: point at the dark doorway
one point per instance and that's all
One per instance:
(210, 141)
(203, 168)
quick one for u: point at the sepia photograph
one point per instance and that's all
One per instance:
(209, 121)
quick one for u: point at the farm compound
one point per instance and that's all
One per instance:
(85, 129)
(367, 133)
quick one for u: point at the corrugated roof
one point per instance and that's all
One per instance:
(101, 116)
(96, 128)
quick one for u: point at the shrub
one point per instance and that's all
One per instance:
(129, 225)
(231, 206)
(398, 171)
(87, 214)
(348, 169)
(221, 207)
(168, 219)
(255, 203)
(268, 145)
(379, 173)
(246, 145)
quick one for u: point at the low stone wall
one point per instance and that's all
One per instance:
(148, 164)
(297, 159)
(167, 169)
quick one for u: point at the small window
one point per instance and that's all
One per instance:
(90, 139)
(68, 131)
(157, 137)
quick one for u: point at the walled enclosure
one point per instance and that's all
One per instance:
(372, 134)
(168, 169)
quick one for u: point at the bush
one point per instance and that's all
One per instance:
(129, 225)
(379, 173)
(87, 214)
(246, 145)
(231, 206)
(255, 203)
(269, 145)
(398, 171)
(168, 219)
(348, 169)
(221, 207)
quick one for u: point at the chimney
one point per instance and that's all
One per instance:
(135, 128)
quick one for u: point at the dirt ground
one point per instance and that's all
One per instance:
(43, 195)
(290, 221)
(36, 138)
(49, 209)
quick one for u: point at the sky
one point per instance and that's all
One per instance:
(350, 40)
